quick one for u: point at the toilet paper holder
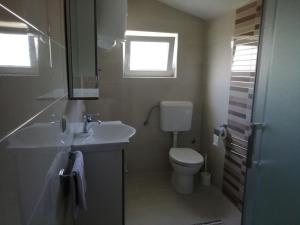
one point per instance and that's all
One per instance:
(219, 132)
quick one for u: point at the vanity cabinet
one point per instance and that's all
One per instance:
(105, 184)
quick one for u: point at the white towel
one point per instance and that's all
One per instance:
(78, 184)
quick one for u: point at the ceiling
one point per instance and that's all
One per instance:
(205, 9)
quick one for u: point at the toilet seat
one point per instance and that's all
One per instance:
(185, 156)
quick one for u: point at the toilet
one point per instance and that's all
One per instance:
(176, 116)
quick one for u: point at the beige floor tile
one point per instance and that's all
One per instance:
(151, 200)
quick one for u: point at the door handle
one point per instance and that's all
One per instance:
(256, 163)
(253, 127)
(258, 125)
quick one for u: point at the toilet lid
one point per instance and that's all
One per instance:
(185, 155)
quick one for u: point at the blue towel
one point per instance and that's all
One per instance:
(78, 184)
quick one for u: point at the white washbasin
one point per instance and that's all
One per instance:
(38, 135)
(105, 133)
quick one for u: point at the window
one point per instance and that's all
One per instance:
(10, 44)
(244, 58)
(150, 54)
(18, 55)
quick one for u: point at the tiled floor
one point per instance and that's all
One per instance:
(151, 200)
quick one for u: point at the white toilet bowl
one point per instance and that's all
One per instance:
(186, 162)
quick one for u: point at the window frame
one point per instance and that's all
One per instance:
(145, 36)
(31, 70)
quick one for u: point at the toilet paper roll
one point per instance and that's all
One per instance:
(219, 133)
(215, 140)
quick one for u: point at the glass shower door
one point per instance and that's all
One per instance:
(273, 181)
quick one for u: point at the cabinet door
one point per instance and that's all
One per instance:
(81, 42)
(104, 174)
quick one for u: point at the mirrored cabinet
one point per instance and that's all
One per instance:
(91, 26)
(81, 43)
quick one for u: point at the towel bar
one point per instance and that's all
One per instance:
(65, 174)
(62, 174)
(65, 181)
(238, 154)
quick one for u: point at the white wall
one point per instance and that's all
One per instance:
(217, 70)
(130, 99)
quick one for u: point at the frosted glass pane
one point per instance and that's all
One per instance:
(14, 50)
(149, 56)
(274, 178)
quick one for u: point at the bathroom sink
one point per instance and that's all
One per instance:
(109, 132)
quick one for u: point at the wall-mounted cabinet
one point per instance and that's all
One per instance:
(111, 22)
(81, 42)
(90, 24)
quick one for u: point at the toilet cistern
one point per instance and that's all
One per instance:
(175, 116)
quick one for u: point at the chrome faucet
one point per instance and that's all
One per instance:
(87, 118)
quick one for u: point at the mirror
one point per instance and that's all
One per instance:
(81, 43)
